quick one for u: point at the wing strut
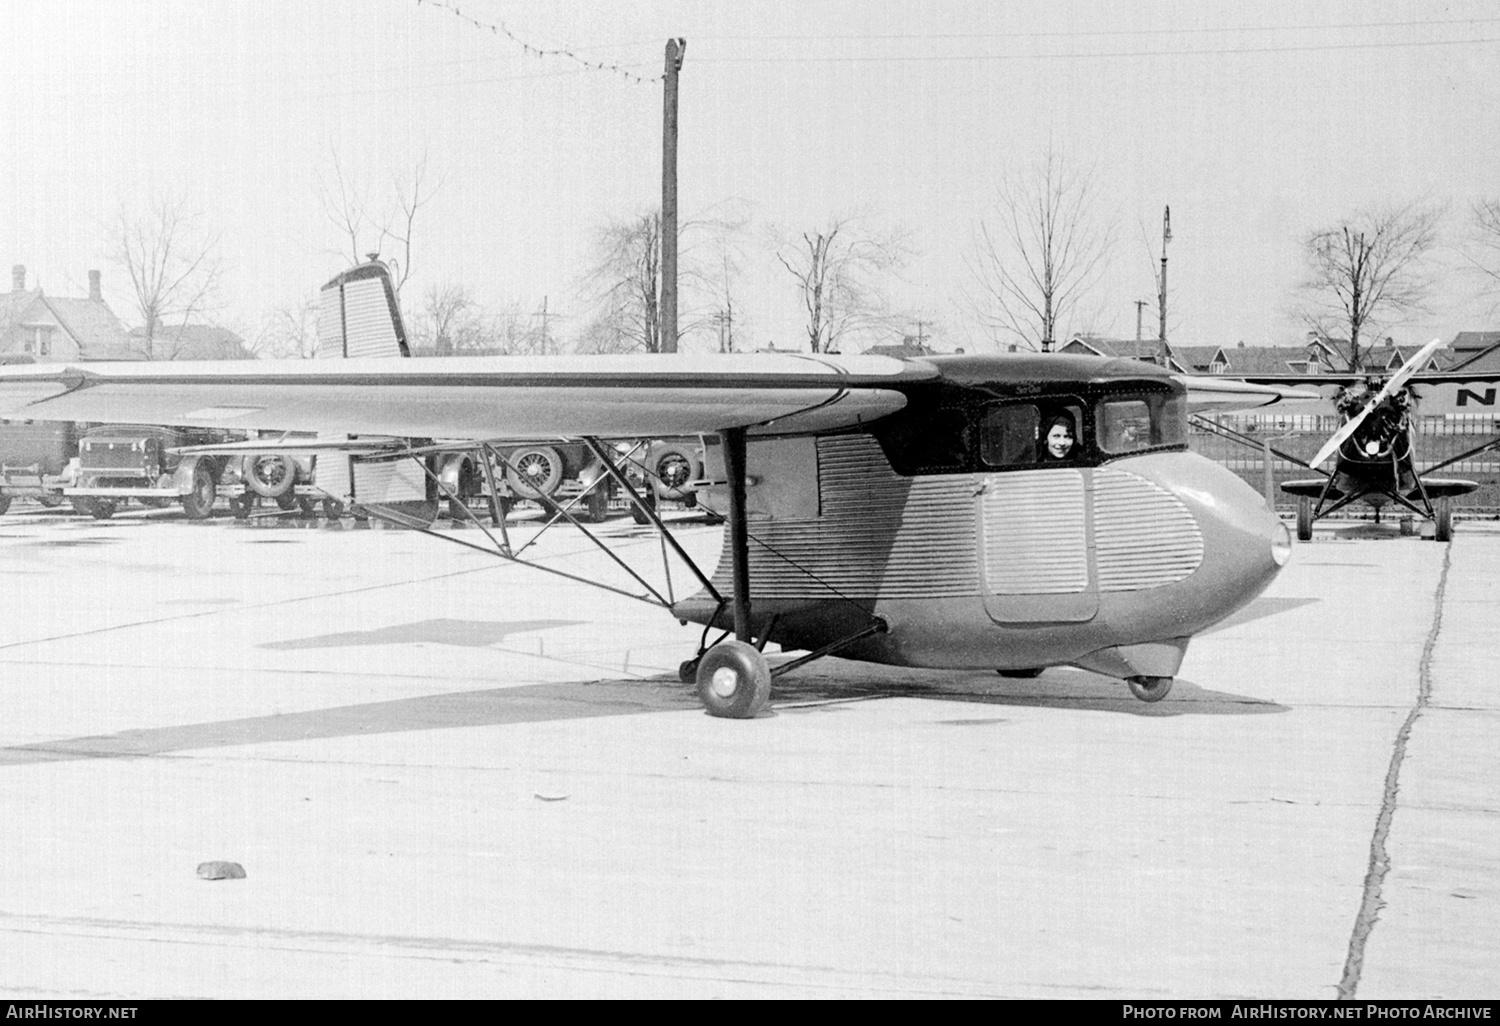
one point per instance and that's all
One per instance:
(739, 532)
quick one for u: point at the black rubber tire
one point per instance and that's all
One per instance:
(240, 505)
(270, 475)
(286, 501)
(332, 509)
(596, 504)
(1149, 689)
(1442, 522)
(734, 681)
(50, 501)
(199, 502)
(671, 466)
(1304, 518)
(83, 504)
(687, 671)
(639, 515)
(4, 504)
(535, 471)
(101, 509)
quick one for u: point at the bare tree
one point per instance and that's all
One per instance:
(288, 333)
(1040, 252)
(840, 271)
(449, 322)
(1369, 270)
(367, 226)
(174, 268)
(1484, 230)
(625, 280)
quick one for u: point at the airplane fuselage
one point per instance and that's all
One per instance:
(952, 523)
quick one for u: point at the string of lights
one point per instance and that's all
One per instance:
(499, 28)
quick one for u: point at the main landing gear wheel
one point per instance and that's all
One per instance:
(1442, 524)
(1304, 518)
(734, 680)
(1150, 689)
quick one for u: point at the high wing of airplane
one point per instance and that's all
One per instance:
(1375, 452)
(1005, 512)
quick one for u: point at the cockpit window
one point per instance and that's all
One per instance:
(1124, 426)
(1145, 422)
(1022, 434)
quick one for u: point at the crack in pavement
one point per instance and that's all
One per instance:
(1380, 860)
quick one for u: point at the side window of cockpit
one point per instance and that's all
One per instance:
(1124, 426)
(1147, 422)
(1008, 435)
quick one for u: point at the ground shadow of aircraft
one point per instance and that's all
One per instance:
(1011, 512)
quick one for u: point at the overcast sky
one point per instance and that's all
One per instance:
(1255, 122)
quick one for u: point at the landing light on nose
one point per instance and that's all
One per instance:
(1281, 545)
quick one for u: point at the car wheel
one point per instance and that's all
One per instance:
(535, 472)
(199, 502)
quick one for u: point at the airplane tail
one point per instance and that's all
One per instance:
(359, 316)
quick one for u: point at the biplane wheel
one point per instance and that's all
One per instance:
(687, 672)
(199, 502)
(734, 680)
(1027, 674)
(1150, 689)
(1442, 524)
(1304, 518)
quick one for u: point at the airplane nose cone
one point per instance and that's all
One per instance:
(1244, 544)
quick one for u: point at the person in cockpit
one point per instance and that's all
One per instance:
(1058, 438)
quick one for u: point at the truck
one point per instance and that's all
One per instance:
(120, 462)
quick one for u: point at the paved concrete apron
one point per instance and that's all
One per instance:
(445, 777)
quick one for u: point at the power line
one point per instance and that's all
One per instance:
(499, 28)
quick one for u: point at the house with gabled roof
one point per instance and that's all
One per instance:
(1147, 351)
(52, 329)
(1477, 351)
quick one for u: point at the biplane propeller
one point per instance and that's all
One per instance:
(1375, 450)
(1008, 513)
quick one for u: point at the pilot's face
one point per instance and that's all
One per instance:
(1059, 440)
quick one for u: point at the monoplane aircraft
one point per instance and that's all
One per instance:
(1375, 447)
(1002, 512)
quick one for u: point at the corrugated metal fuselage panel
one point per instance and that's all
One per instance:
(1043, 552)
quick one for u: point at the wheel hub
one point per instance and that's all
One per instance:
(725, 682)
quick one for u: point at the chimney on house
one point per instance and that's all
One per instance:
(18, 278)
(94, 293)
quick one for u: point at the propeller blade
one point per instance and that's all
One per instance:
(1341, 435)
(1390, 388)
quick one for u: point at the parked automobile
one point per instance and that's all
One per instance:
(117, 463)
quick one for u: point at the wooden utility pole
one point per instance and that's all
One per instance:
(1163, 353)
(675, 50)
